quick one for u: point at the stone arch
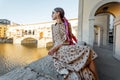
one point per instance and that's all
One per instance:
(106, 13)
(92, 17)
(35, 40)
(99, 4)
(49, 45)
(28, 37)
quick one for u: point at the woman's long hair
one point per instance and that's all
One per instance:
(68, 30)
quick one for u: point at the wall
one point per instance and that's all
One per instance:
(117, 38)
(84, 19)
(3, 29)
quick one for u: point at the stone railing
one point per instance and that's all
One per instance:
(42, 69)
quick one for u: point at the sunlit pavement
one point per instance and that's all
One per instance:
(107, 66)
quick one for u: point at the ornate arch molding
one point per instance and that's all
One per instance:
(107, 13)
(99, 4)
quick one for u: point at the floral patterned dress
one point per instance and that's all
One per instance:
(72, 61)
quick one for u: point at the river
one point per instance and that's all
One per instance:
(13, 56)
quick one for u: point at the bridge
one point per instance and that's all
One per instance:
(42, 36)
(41, 42)
(41, 32)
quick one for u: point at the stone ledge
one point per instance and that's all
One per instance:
(42, 69)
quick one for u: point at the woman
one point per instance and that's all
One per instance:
(74, 62)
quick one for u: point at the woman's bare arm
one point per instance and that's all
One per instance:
(54, 49)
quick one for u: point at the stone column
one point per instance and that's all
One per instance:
(117, 38)
(91, 31)
(41, 43)
(99, 36)
(80, 20)
(16, 40)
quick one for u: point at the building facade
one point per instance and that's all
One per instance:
(4, 23)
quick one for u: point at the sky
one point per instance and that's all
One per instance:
(35, 11)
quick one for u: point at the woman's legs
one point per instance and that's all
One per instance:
(92, 67)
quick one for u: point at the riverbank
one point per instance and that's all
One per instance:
(5, 40)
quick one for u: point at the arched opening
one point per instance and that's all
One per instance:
(29, 42)
(104, 30)
(49, 45)
(104, 13)
(98, 30)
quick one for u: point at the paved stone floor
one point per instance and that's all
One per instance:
(107, 66)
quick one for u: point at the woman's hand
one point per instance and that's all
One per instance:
(54, 49)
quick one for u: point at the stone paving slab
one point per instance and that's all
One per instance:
(107, 66)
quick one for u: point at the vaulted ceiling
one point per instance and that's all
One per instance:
(113, 8)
